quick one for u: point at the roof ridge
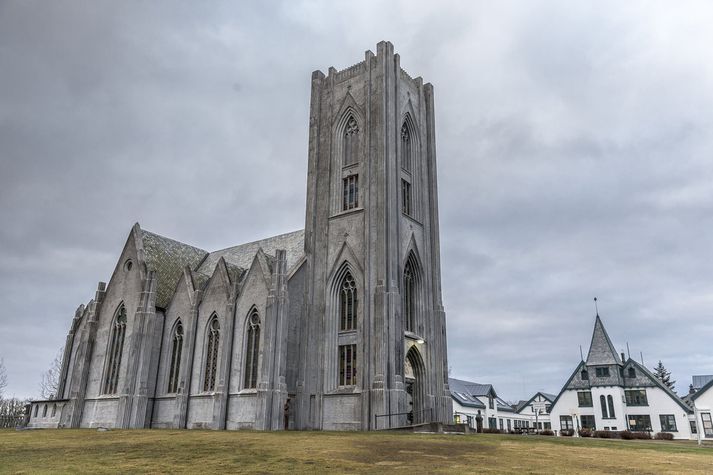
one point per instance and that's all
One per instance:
(161, 236)
(258, 240)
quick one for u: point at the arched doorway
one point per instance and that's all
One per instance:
(414, 379)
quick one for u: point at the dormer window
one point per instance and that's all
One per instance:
(632, 373)
(602, 371)
(585, 375)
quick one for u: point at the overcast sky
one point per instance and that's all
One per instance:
(574, 152)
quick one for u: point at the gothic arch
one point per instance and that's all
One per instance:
(252, 326)
(115, 350)
(176, 337)
(416, 386)
(343, 340)
(211, 353)
(413, 304)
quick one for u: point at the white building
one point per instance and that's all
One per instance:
(607, 392)
(537, 409)
(702, 401)
(479, 406)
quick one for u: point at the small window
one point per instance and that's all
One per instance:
(668, 423)
(587, 422)
(602, 371)
(640, 422)
(351, 192)
(37, 407)
(603, 404)
(632, 373)
(612, 415)
(566, 423)
(347, 365)
(44, 411)
(348, 304)
(636, 397)
(406, 197)
(584, 398)
(502, 426)
(585, 375)
(707, 424)
(54, 410)
(694, 427)
(491, 402)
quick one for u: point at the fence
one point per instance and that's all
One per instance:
(412, 417)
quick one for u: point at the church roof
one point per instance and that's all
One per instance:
(168, 258)
(601, 350)
(243, 254)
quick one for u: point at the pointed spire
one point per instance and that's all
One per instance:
(596, 308)
(601, 349)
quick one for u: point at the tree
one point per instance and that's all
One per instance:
(664, 375)
(3, 379)
(49, 385)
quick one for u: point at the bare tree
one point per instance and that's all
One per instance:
(3, 379)
(50, 379)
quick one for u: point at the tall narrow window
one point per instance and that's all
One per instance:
(351, 142)
(176, 348)
(347, 365)
(409, 298)
(603, 403)
(211, 354)
(707, 424)
(406, 197)
(405, 148)
(348, 304)
(612, 414)
(351, 192)
(252, 350)
(116, 348)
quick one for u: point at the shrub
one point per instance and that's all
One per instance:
(603, 434)
(627, 435)
(642, 435)
(663, 436)
(487, 430)
(546, 432)
(567, 432)
(585, 432)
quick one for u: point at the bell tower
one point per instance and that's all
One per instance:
(373, 341)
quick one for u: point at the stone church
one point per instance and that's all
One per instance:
(339, 326)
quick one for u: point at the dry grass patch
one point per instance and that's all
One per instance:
(167, 451)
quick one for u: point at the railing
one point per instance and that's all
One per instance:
(410, 417)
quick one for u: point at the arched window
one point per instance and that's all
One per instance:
(612, 415)
(44, 411)
(405, 148)
(252, 350)
(603, 402)
(176, 348)
(211, 354)
(116, 349)
(348, 304)
(409, 298)
(351, 142)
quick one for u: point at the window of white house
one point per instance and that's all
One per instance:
(602, 371)
(587, 422)
(584, 398)
(668, 423)
(707, 424)
(566, 423)
(636, 397)
(640, 422)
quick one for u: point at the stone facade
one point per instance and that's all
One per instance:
(339, 326)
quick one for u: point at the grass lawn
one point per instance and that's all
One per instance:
(169, 451)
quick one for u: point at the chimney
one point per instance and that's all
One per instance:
(622, 357)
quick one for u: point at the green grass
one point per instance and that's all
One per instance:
(169, 451)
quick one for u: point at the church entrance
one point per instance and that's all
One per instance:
(414, 377)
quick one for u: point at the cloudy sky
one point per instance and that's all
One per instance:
(574, 147)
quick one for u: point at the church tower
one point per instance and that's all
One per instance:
(373, 337)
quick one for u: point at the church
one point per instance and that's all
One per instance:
(339, 326)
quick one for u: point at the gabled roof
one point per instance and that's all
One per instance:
(601, 349)
(644, 370)
(168, 258)
(703, 389)
(243, 254)
(701, 380)
(569, 380)
(466, 392)
(523, 404)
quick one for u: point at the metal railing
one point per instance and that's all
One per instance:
(409, 420)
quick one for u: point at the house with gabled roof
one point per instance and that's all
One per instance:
(702, 402)
(607, 391)
(479, 406)
(537, 409)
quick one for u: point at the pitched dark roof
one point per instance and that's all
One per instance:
(523, 404)
(243, 254)
(168, 258)
(601, 349)
(658, 383)
(463, 392)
